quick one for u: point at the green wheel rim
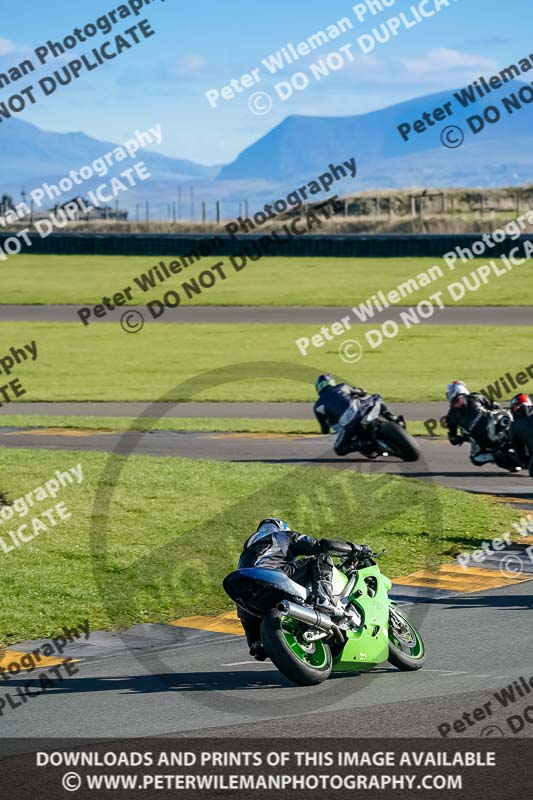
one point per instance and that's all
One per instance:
(404, 635)
(314, 654)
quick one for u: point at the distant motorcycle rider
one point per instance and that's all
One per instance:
(521, 431)
(480, 421)
(337, 408)
(275, 546)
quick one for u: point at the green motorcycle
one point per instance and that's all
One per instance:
(306, 644)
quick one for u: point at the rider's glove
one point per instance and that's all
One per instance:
(362, 550)
(456, 440)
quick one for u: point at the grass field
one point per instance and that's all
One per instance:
(175, 528)
(269, 282)
(104, 363)
(209, 424)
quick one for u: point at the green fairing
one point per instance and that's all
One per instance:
(369, 645)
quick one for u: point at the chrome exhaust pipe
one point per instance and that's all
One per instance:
(308, 615)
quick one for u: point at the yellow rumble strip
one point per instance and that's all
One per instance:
(60, 432)
(8, 657)
(243, 435)
(223, 623)
(448, 576)
(500, 498)
(457, 579)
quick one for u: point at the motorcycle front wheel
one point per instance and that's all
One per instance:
(407, 650)
(304, 663)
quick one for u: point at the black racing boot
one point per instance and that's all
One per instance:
(258, 652)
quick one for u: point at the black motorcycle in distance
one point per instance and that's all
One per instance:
(377, 436)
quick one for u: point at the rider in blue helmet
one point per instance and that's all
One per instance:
(337, 407)
(275, 546)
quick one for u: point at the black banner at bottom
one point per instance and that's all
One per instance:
(268, 768)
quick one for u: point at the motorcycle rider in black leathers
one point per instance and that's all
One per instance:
(521, 432)
(275, 546)
(337, 407)
(473, 413)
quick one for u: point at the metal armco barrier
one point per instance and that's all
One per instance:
(341, 246)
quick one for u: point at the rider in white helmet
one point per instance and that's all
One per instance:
(471, 417)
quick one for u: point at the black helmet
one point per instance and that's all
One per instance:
(324, 380)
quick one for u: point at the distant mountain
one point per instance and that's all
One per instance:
(29, 155)
(303, 146)
(296, 150)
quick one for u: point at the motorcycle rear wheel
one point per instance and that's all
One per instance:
(401, 442)
(303, 663)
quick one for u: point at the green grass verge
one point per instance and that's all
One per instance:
(104, 363)
(270, 282)
(207, 424)
(175, 528)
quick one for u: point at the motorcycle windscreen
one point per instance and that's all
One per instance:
(258, 590)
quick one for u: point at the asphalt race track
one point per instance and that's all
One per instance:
(419, 411)
(268, 315)
(158, 680)
(442, 463)
(177, 681)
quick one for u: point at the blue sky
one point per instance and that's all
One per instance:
(202, 45)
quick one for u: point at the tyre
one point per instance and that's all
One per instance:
(506, 459)
(402, 444)
(407, 650)
(303, 663)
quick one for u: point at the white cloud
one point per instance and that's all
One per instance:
(7, 47)
(442, 59)
(192, 62)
